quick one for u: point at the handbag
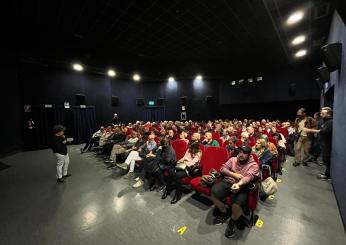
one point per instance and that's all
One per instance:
(269, 186)
(209, 179)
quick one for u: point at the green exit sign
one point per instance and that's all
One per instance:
(151, 102)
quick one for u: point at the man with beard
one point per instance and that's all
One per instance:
(238, 172)
(325, 139)
(304, 138)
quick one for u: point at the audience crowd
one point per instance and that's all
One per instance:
(151, 154)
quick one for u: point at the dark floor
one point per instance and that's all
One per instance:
(95, 206)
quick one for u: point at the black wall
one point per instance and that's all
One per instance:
(43, 85)
(338, 81)
(11, 122)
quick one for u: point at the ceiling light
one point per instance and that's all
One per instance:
(234, 83)
(199, 77)
(250, 80)
(295, 17)
(77, 67)
(298, 40)
(300, 53)
(171, 79)
(136, 77)
(111, 73)
(259, 79)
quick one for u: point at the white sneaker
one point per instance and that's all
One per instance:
(136, 179)
(139, 183)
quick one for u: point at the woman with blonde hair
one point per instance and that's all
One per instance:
(262, 151)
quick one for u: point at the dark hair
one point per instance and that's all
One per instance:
(164, 142)
(58, 128)
(233, 139)
(194, 148)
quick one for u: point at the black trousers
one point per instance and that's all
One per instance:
(326, 154)
(90, 143)
(174, 179)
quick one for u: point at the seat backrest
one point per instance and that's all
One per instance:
(180, 147)
(219, 141)
(255, 157)
(225, 143)
(216, 135)
(213, 157)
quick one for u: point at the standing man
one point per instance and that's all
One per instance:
(304, 138)
(325, 139)
(60, 150)
(115, 119)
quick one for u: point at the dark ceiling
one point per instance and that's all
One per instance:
(170, 34)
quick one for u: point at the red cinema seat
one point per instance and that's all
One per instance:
(216, 136)
(180, 147)
(213, 157)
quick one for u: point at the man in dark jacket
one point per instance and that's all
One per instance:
(325, 139)
(59, 148)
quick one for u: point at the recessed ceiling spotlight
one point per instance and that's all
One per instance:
(111, 73)
(300, 53)
(298, 40)
(241, 81)
(250, 80)
(77, 67)
(199, 77)
(259, 79)
(295, 17)
(171, 79)
(234, 83)
(136, 77)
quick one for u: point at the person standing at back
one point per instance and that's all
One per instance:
(60, 150)
(304, 138)
(325, 139)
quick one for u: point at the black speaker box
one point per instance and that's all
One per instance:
(324, 73)
(115, 100)
(140, 101)
(184, 100)
(161, 101)
(209, 99)
(319, 83)
(80, 99)
(332, 55)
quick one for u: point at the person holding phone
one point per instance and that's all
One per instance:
(59, 148)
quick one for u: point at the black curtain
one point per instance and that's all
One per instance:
(80, 123)
(84, 123)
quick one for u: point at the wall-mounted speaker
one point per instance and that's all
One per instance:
(161, 101)
(80, 99)
(115, 100)
(184, 100)
(209, 99)
(332, 55)
(319, 83)
(140, 101)
(324, 73)
(292, 89)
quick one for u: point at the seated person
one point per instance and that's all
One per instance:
(239, 172)
(232, 147)
(117, 137)
(208, 140)
(171, 135)
(144, 150)
(195, 138)
(271, 146)
(244, 139)
(93, 140)
(156, 162)
(262, 152)
(120, 148)
(186, 166)
(183, 136)
(225, 136)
